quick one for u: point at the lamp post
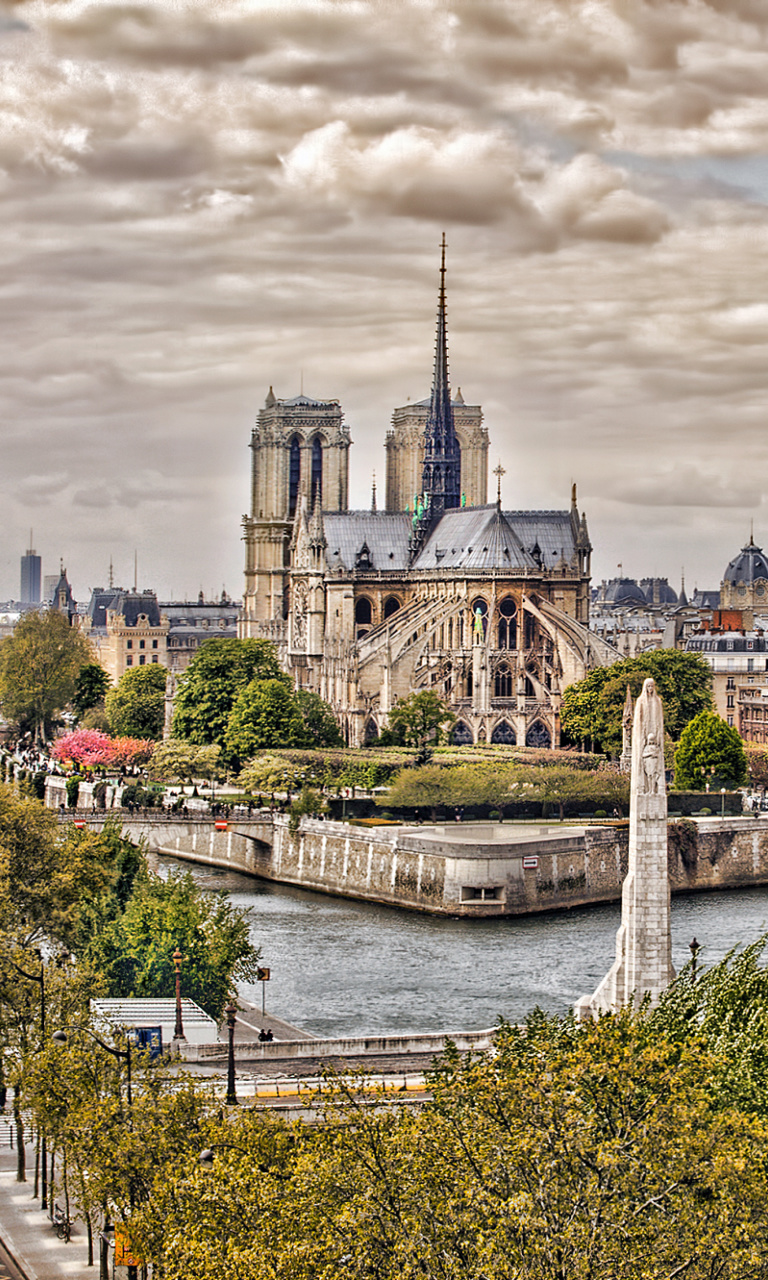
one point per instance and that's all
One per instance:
(122, 1055)
(178, 1032)
(231, 1012)
(695, 948)
(722, 803)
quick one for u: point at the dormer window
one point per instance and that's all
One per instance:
(363, 558)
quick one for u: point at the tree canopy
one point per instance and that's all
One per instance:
(208, 689)
(136, 708)
(265, 714)
(592, 708)
(90, 688)
(419, 719)
(39, 667)
(709, 751)
(178, 761)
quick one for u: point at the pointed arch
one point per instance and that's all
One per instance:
(294, 474)
(504, 733)
(538, 735)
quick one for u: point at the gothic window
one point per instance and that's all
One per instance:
(503, 682)
(371, 732)
(507, 624)
(462, 734)
(363, 617)
(479, 616)
(538, 735)
(530, 630)
(317, 470)
(391, 605)
(504, 733)
(294, 476)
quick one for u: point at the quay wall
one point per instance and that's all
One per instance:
(481, 870)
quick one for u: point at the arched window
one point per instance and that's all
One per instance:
(504, 733)
(479, 610)
(538, 735)
(391, 605)
(503, 682)
(462, 734)
(317, 471)
(294, 476)
(363, 612)
(507, 623)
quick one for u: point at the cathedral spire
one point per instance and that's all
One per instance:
(441, 476)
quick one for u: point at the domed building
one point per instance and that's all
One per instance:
(745, 581)
(623, 593)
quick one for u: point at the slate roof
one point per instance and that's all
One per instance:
(749, 565)
(128, 603)
(474, 538)
(471, 538)
(385, 533)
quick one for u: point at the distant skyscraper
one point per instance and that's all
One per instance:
(50, 583)
(30, 575)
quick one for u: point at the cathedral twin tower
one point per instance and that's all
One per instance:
(488, 608)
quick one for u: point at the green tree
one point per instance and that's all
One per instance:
(264, 715)
(135, 951)
(267, 773)
(321, 726)
(90, 688)
(39, 666)
(176, 760)
(419, 719)
(592, 708)
(709, 748)
(208, 689)
(136, 708)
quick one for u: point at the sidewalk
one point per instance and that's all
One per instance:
(27, 1232)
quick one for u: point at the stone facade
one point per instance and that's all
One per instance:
(126, 629)
(486, 607)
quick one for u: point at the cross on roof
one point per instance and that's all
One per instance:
(499, 471)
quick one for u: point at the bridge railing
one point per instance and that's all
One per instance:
(70, 816)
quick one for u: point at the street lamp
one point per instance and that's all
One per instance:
(178, 1033)
(231, 1012)
(722, 803)
(695, 948)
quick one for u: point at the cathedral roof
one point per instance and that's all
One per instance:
(385, 533)
(474, 538)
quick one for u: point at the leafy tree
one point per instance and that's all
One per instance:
(136, 708)
(420, 718)
(271, 773)
(208, 689)
(265, 715)
(757, 764)
(592, 708)
(39, 666)
(135, 951)
(178, 761)
(708, 744)
(310, 804)
(321, 726)
(90, 688)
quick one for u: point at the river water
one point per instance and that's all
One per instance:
(346, 968)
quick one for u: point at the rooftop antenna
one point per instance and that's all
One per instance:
(111, 574)
(373, 493)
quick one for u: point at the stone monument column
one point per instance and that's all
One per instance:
(643, 964)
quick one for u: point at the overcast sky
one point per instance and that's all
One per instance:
(198, 200)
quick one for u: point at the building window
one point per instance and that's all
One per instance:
(507, 624)
(730, 721)
(729, 700)
(750, 664)
(730, 683)
(479, 609)
(317, 471)
(154, 657)
(129, 644)
(142, 660)
(129, 661)
(503, 682)
(294, 475)
(154, 644)
(391, 605)
(141, 644)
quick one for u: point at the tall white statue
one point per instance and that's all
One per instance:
(643, 964)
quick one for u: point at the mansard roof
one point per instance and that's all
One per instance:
(130, 604)
(474, 538)
(748, 566)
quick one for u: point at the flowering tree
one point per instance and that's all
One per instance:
(89, 747)
(86, 747)
(128, 751)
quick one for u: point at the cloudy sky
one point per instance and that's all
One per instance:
(198, 200)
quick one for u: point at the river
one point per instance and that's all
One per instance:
(346, 968)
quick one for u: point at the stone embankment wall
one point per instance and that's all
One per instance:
(351, 1047)
(471, 872)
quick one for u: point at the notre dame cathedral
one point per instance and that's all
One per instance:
(442, 590)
